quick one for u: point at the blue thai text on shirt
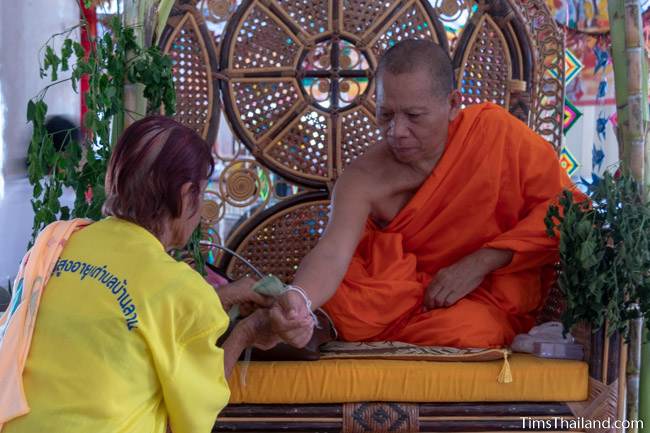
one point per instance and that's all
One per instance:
(110, 281)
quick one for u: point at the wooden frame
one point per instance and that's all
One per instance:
(607, 379)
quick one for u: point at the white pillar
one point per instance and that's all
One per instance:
(25, 26)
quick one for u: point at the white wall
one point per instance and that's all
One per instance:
(25, 26)
(2, 111)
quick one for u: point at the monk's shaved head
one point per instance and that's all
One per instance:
(414, 55)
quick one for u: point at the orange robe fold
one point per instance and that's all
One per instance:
(491, 188)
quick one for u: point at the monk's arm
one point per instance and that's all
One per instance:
(491, 259)
(323, 269)
(541, 179)
(320, 273)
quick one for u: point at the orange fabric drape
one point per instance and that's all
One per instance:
(17, 324)
(491, 188)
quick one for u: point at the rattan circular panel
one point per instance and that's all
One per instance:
(299, 78)
(277, 241)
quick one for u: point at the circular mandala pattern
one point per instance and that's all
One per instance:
(297, 71)
(239, 183)
(219, 8)
(213, 208)
(242, 185)
(449, 8)
(331, 65)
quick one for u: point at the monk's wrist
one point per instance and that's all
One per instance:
(491, 259)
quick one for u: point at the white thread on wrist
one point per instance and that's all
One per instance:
(301, 291)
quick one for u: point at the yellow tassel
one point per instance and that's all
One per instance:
(505, 376)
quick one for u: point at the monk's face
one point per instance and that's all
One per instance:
(414, 120)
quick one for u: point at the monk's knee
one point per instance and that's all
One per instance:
(488, 327)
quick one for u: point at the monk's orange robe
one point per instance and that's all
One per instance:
(491, 188)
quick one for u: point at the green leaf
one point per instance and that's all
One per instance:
(66, 54)
(52, 60)
(40, 109)
(79, 51)
(583, 229)
(31, 110)
(89, 120)
(38, 189)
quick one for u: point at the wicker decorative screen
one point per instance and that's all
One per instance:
(186, 40)
(296, 80)
(298, 71)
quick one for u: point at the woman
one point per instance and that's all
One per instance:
(125, 336)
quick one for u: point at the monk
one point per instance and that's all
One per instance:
(436, 234)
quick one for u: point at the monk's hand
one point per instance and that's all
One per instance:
(291, 319)
(241, 293)
(454, 282)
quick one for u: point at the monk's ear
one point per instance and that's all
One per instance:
(455, 100)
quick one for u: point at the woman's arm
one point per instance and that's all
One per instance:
(255, 330)
(241, 293)
(237, 341)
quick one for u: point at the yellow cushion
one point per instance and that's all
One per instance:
(349, 380)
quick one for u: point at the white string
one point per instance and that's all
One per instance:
(301, 291)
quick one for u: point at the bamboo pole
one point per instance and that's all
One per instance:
(617, 32)
(637, 89)
(631, 84)
(644, 385)
(633, 372)
(630, 68)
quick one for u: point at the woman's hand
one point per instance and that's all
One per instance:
(265, 328)
(240, 293)
(259, 331)
(254, 330)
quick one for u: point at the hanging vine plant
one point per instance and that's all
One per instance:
(114, 60)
